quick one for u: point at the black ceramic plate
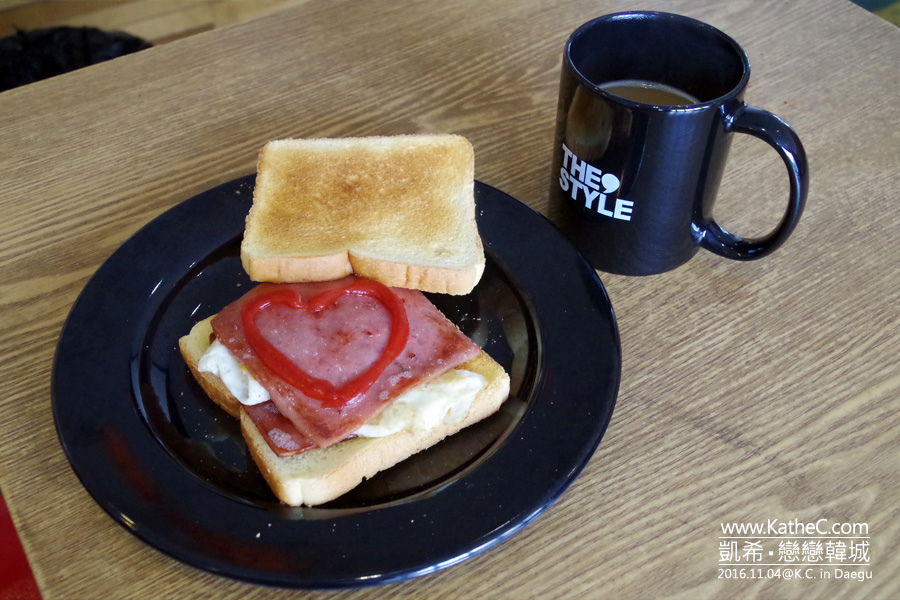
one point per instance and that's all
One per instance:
(172, 468)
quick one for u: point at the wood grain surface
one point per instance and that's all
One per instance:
(750, 391)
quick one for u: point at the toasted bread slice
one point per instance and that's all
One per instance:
(321, 475)
(398, 209)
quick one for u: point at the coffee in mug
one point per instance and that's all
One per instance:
(647, 107)
(649, 92)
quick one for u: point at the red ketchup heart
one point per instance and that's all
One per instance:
(316, 388)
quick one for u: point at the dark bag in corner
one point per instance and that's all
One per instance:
(30, 56)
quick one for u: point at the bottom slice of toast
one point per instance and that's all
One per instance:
(323, 474)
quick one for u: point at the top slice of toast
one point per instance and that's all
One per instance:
(399, 209)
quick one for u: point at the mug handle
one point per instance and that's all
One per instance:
(778, 134)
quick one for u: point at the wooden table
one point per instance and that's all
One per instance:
(750, 391)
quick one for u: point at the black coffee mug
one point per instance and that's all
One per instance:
(647, 104)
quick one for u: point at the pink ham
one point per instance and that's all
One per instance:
(281, 435)
(337, 344)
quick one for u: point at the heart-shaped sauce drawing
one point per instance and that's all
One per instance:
(314, 387)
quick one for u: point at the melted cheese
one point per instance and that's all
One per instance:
(424, 407)
(444, 400)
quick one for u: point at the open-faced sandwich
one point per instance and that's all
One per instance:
(336, 364)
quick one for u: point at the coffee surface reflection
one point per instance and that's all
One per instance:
(649, 92)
